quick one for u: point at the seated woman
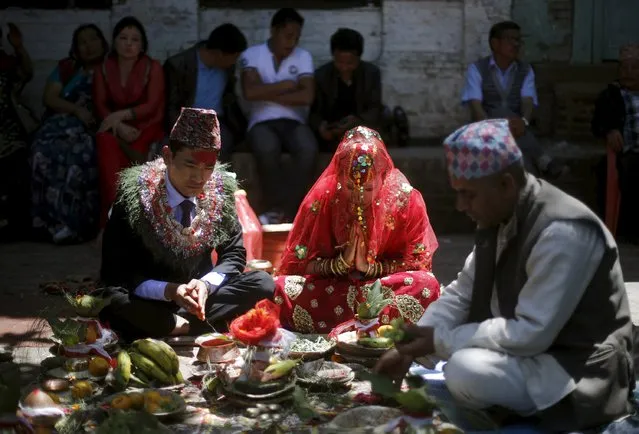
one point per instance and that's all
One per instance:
(361, 221)
(64, 173)
(16, 70)
(128, 92)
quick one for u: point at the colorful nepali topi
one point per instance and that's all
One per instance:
(481, 149)
(629, 52)
(197, 128)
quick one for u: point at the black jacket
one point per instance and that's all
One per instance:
(368, 94)
(610, 111)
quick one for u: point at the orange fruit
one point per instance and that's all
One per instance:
(92, 334)
(137, 400)
(122, 402)
(98, 367)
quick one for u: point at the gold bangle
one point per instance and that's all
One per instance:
(343, 262)
(334, 268)
(323, 269)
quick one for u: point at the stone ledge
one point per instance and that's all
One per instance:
(424, 166)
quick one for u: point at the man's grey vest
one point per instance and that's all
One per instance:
(496, 98)
(595, 345)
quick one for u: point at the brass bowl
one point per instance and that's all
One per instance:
(56, 385)
(225, 353)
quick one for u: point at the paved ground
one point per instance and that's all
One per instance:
(23, 266)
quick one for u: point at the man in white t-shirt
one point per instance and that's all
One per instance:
(278, 86)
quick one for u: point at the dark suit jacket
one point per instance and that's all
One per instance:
(368, 93)
(180, 73)
(127, 261)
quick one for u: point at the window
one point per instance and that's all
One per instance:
(298, 4)
(57, 4)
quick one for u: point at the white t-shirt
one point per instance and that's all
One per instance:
(295, 66)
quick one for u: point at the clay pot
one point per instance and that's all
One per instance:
(274, 242)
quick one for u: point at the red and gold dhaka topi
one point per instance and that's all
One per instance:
(360, 192)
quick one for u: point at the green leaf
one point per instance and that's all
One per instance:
(380, 384)
(302, 407)
(416, 400)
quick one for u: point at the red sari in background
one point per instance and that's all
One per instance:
(144, 93)
(399, 232)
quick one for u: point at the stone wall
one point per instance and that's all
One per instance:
(546, 28)
(422, 46)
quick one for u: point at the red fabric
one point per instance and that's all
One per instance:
(251, 227)
(313, 304)
(257, 324)
(144, 93)
(396, 227)
(613, 196)
(397, 222)
(112, 160)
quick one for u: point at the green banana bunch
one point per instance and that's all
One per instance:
(159, 352)
(137, 381)
(379, 342)
(151, 369)
(122, 372)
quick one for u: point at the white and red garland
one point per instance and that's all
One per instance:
(185, 242)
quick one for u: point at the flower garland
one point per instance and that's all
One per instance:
(186, 242)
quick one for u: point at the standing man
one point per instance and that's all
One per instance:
(278, 85)
(538, 320)
(502, 86)
(204, 77)
(169, 217)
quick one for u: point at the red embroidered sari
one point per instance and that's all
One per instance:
(144, 93)
(397, 229)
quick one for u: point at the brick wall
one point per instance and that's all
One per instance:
(422, 46)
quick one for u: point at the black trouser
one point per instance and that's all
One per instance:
(228, 142)
(133, 317)
(628, 169)
(15, 196)
(266, 140)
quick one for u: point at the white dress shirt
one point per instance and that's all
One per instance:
(559, 268)
(154, 289)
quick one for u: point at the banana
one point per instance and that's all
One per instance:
(376, 342)
(162, 355)
(178, 378)
(122, 373)
(170, 352)
(141, 376)
(138, 382)
(150, 368)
